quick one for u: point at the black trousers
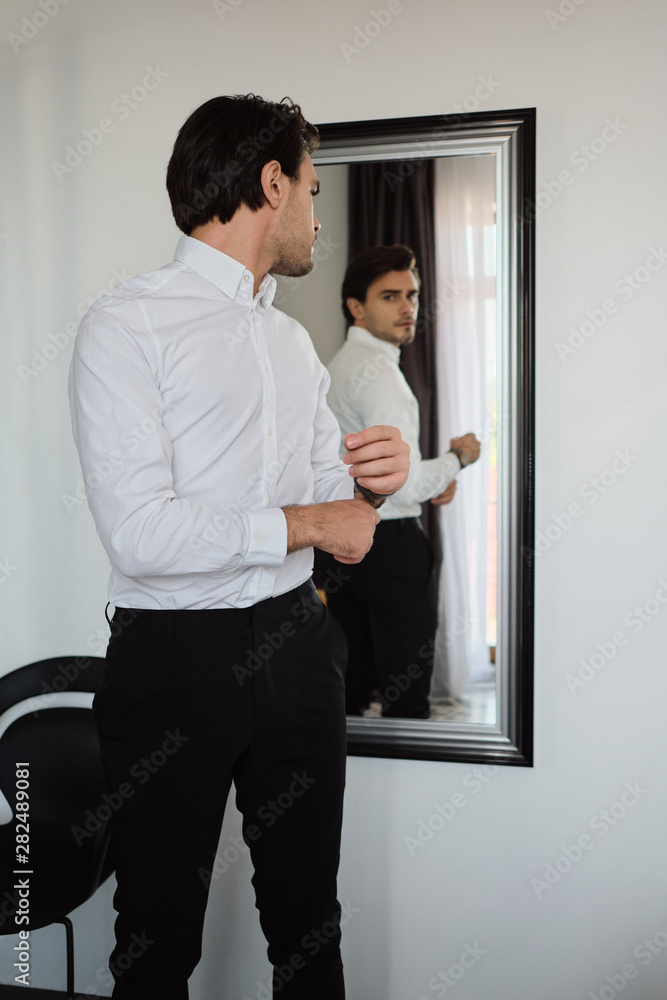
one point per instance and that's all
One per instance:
(387, 607)
(191, 701)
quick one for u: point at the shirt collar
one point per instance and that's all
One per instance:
(227, 274)
(360, 335)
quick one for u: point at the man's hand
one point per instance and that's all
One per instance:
(447, 496)
(379, 458)
(345, 528)
(469, 445)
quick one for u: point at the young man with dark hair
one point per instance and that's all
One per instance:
(207, 407)
(387, 606)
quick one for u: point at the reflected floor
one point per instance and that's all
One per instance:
(477, 704)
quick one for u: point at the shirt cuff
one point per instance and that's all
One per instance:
(453, 463)
(267, 542)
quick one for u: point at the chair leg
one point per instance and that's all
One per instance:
(69, 943)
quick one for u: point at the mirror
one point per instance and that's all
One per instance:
(482, 167)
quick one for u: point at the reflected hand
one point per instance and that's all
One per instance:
(446, 496)
(469, 445)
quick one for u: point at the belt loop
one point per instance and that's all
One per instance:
(171, 629)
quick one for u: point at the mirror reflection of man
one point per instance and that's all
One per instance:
(387, 605)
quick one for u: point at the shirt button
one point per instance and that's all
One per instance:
(246, 277)
(270, 432)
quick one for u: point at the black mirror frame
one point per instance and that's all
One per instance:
(511, 741)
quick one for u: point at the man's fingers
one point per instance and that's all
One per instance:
(371, 452)
(367, 447)
(383, 484)
(366, 470)
(379, 432)
(358, 559)
(378, 457)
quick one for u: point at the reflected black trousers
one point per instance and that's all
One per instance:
(387, 608)
(191, 701)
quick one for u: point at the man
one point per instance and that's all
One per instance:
(206, 409)
(387, 606)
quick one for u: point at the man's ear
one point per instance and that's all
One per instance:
(356, 308)
(274, 183)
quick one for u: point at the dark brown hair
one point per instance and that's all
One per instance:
(219, 153)
(370, 265)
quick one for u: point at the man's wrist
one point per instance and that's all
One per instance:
(461, 455)
(374, 499)
(304, 526)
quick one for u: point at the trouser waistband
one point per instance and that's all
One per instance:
(153, 621)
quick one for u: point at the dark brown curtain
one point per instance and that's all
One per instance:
(393, 202)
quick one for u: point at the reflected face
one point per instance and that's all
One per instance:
(295, 241)
(391, 307)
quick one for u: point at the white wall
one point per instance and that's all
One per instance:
(63, 240)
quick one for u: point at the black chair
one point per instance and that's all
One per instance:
(49, 762)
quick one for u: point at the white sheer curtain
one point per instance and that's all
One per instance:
(466, 290)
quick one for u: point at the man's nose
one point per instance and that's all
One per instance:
(316, 224)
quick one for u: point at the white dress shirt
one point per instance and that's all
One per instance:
(198, 412)
(368, 388)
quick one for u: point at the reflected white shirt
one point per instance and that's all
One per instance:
(198, 412)
(368, 388)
